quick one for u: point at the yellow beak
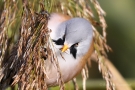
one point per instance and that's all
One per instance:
(64, 48)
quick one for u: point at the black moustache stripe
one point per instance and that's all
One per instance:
(73, 51)
(59, 41)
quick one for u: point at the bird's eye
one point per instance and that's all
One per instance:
(60, 41)
(76, 45)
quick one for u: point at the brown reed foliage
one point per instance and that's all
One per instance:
(25, 64)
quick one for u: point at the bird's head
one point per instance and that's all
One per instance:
(74, 34)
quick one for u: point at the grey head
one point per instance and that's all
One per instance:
(77, 33)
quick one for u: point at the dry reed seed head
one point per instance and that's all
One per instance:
(84, 76)
(0, 50)
(105, 73)
(99, 51)
(74, 81)
(101, 14)
(29, 72)
(3, 40)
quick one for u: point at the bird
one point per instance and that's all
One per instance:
(73, 42)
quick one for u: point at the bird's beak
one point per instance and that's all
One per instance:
(64, 48)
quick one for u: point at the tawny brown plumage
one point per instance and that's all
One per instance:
(69, 66)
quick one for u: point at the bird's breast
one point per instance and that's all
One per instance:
(69, 67)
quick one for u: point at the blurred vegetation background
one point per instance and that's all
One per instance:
(120, 18)
(121, 34)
